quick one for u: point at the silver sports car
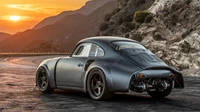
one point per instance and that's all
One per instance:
(102, 66)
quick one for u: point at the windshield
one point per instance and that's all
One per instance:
(118, 45)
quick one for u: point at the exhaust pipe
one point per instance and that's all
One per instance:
(164, 85)
(140, 87)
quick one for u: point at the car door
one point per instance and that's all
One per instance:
(70, 69)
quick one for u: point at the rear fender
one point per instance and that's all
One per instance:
(106, 72)
(179, 82)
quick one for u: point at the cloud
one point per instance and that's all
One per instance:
(21, 6)
(39, 8)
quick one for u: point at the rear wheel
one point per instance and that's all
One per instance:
(160, 94)
(43, 81)
(97, 86)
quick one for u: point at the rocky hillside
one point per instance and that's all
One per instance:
(87, 9)
(3, 35)
(171, 29)
(61, 36)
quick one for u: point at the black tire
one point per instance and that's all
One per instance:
(43, 81)
(160, 94)
(96, 80)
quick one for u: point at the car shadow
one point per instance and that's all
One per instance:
(118, 97)
(120, 102)
(178, 100)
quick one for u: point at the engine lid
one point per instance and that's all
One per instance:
(143, 58)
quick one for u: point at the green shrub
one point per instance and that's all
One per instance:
(140, 16)
(103, 26)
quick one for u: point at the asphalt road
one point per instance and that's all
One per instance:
(18, 93)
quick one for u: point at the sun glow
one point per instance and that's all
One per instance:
(14, 18)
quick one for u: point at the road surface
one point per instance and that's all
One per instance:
(18, 93)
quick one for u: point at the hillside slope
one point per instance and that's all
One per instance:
(3, 35)
(60, 36)
(87, 9)
(173, 33)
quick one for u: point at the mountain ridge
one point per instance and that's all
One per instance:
(87, 9)
(4, 35)
(55, 37)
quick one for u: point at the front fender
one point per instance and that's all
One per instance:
(49, 76)
(50, 67)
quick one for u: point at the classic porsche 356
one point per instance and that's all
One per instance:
(102, 66)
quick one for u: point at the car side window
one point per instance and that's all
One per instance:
(100, 52)
(96, 51)
(80, 49)
(83, 50)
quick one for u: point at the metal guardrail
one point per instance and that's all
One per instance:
(32, 54)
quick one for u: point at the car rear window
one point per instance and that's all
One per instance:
(96, 51)
(118, 45)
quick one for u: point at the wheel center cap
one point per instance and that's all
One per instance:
(98, 83)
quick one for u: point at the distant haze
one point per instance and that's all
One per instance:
(31, 12)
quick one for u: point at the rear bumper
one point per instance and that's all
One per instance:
(161, 73)
(154, 74)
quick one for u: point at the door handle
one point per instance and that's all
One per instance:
(80, 65)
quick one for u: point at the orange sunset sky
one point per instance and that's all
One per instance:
(19, 15)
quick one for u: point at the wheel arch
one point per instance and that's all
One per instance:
(106, 72)
(48, 74)
(50, 67)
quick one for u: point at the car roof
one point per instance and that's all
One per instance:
(106, 39)
(104, 42)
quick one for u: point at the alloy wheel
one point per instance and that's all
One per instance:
(97, 85)
(42, 80)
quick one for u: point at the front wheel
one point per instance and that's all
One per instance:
(43, 81)
(97, 86)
